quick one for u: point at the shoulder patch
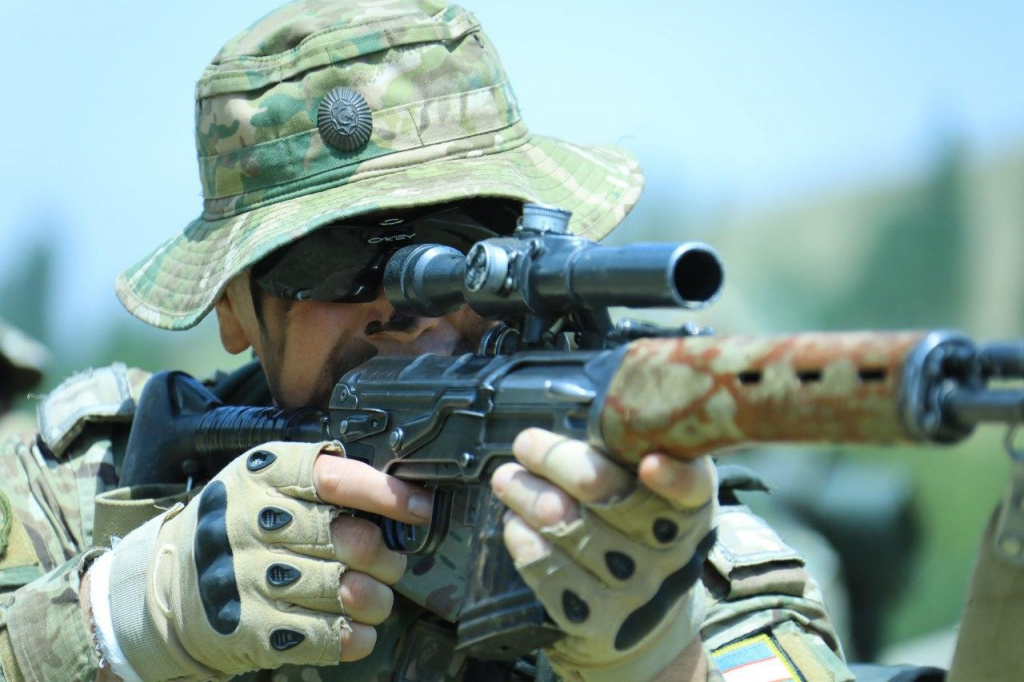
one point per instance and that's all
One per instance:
(108, 394)
(745, 539)
(755, 659)
(752, 558)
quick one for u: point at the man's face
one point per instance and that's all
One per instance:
(287, 307)
(305, 347)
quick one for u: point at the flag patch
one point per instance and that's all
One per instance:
(755, 659)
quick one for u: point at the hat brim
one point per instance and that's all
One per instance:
(178, 284)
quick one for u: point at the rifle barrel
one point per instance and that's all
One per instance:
(970, 406)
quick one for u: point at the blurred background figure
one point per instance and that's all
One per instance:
(22, 360)
(857, 166)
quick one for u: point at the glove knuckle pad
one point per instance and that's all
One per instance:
(307, 639)
(218, 588)
(282, 575)
(273, 518)
(286, 467)
(303, 581)
(259, 459)
(283, 639)
(286, 525)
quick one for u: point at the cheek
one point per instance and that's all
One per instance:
(311, 337)
(295, 381)
(471, 327)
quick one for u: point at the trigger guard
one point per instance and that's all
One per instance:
(410, 539)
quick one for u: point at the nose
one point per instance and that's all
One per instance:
(383, 322)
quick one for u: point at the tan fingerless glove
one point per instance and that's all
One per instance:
(622, 581)
(242, 578)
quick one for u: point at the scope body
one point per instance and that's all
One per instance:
(551, 275)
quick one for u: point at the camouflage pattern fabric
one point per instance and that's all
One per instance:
(445, 126)
(758, 587)
(108, 394)
(16, 422)
(43, 628)
(50, 502)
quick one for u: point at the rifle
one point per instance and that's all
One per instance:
(559, 362)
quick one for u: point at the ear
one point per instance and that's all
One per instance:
(235, 315)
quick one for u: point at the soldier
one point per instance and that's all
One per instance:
(320, 129)
(21, 369)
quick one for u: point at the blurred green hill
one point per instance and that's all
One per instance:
(939, 250)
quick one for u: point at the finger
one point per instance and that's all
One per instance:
(359, 545)
(540, 503)
(572, 465)
(288, 466)
(364, 599)
(685, 484)
(523, 542)
(357, 641)
(291, 524)
(309, 583)
(355, 485)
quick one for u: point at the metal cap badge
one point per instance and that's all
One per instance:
(344, 119)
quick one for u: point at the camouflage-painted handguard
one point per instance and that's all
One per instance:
(692, 396)
(622, 582)
(198, 591)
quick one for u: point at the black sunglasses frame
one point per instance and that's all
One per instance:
(344, 263)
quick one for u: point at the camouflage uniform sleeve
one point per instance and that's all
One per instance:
(48, 486)
(766, 614)
(47, 611)
(46, 505)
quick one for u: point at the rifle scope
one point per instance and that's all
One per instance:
(544, 270)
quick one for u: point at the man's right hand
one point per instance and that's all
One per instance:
(358, 543)
(263, 568)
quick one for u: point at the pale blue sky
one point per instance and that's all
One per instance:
(732, 104)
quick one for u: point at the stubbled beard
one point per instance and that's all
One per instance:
(345, 357)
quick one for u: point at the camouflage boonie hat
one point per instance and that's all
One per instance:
(445, 127)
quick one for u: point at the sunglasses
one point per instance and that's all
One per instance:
(344, 263)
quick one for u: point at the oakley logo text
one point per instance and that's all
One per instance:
(390, 238)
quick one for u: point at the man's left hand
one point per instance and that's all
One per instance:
(613, 556)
